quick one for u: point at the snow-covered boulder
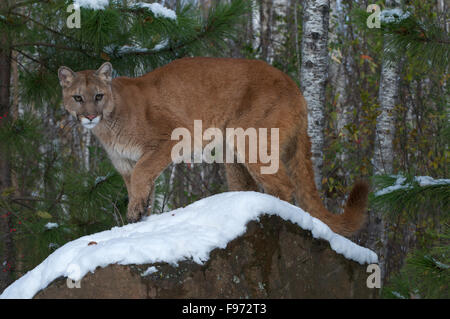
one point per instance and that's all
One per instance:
(231, 245)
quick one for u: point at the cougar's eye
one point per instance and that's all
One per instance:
(99, 97)
(78, 98)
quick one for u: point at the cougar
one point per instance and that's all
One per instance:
(133, 118)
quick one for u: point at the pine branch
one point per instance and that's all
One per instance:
(25, 3)
(426, 273)
(45, 27)
(33, 59)
(424, 40)
(408, 197)
(50, 45)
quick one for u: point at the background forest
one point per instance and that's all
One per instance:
(377, 92)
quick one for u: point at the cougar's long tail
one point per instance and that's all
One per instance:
(354, 215)
(301, 174)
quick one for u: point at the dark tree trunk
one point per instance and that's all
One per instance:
(7, 257)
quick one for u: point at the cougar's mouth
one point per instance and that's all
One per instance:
(90, 124)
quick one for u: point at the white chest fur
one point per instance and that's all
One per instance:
(126, 151)
(122, 148)
(123, 156)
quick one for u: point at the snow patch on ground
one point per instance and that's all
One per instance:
(51, 225)
(189, 233)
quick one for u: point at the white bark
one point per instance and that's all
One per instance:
(76, 141)
(384, 136)
(314, 74)
(443, 8)
(87, 137)
(297, 49)
(265, 17)
(383, 156)
(256, 24)
(339, 70)
(271, 29)
(278, 38)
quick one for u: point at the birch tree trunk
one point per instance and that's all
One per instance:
(294, 5)
(339, 69)
(340, 64)
(383, 156)
(388, 95)
(314, 74)
(86, 137)
(279, 30)
(272, 31)
(76, 143)
(265, 20)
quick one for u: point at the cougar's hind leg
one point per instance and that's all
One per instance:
(276, 184)
(297, 159)
(271, 177)
(239, 179)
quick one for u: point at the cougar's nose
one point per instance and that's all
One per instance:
(90, 117)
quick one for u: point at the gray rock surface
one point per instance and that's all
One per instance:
(273, 259)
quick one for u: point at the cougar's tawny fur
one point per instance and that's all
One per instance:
(134, 118)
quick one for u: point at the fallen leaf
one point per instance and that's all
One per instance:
(43, 214)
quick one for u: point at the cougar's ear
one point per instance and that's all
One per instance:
(66, 76)
(105, 72)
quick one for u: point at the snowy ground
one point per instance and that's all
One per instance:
(186, 233)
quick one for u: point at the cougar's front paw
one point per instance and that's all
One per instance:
(136, 210)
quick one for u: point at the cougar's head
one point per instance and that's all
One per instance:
(87, 95)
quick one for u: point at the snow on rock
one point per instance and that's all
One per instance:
(150, 270)
(421, 180)
(185, 233)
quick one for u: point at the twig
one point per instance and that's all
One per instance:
(34, 60)
(61, 47)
